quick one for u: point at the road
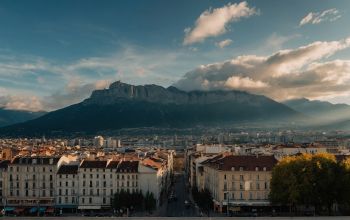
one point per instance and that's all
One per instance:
(177, 208)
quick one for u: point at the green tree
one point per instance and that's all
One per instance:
(150, 202)
(310, 180)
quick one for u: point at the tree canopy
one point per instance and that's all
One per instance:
(312, 180)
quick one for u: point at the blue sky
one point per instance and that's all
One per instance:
(53, 53)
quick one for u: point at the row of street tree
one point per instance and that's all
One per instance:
(134, 201)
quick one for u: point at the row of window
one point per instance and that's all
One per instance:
(241, 196)
(30, 169)
(41, 193)
(33, 177)
(242, 186)
(242, 177)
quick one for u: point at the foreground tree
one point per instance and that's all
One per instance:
(310, 180)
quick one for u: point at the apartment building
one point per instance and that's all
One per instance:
(91, 184)
(238, 182)
(42, 184)
(3, 181)
(31, 182)
(67, 187)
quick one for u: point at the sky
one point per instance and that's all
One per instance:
(55, 53)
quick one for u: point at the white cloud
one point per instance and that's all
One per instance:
(318, 17)
(16, 102)
(224, 43)
(300, 72)
(213, 22)
(276, 42)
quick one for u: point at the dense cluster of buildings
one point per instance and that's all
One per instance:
(238, 176)
(33, 180)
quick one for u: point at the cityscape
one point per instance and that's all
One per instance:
(174, 109)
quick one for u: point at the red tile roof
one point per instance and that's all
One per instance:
(248, 163)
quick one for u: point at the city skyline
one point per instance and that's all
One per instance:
(52, 56)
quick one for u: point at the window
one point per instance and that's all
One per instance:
(241, 195)
(240, 185)
(83, 200)
(241, 177)
(90, 200)
(225, 177)
(256, 168)
(264, 168)
(241, 168)
(225, 186)
(257, 186)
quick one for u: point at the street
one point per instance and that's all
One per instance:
(177, 208)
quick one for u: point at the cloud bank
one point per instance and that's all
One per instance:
(294, 73)
(213, 22)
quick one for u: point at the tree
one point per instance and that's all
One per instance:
(203, 199)
(310, 180)
(150, 202)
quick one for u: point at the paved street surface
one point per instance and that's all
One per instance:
(177, 208)
(182, 218)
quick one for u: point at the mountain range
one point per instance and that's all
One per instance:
(8, 117)
(127, 106)
(322, 114)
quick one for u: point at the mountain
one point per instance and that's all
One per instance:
(8, 117)
(318, 108)
(325, 115)
(127, 106)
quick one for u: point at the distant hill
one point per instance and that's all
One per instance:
(127, 106)
(325, 115)
(317, 108)
(9, 117)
